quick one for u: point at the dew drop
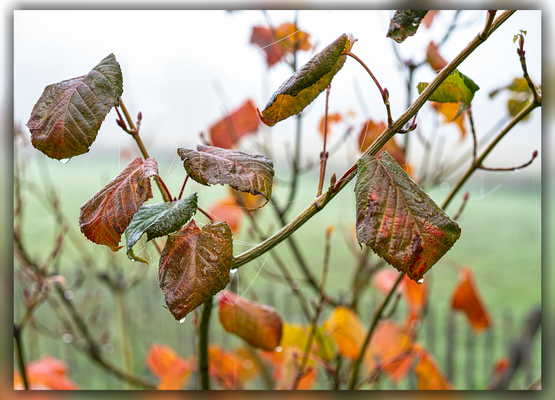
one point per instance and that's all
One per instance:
(67, 338)
(420, 281)
(65, 160)
(233, 270)
(279, 349)
(68, 294)
(108, 348)
(182, 320)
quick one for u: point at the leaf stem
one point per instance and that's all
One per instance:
(183, 187)
(377, 316)
(320, 202)
(203, 330)
(324, 153)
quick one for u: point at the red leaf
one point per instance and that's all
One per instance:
(108, 213)
(194, 266)
(227, 210)
(257, 324)
(428, 374)
(46, 372)
(467, 299)
(436, 61)
(171, 370)
(264, 38)
(227, 131)
(384, 280)
(429, 18)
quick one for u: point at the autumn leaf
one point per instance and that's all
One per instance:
(467, 299)
(106, 215)
(66, 118)
(194, 266)
(172, 371)
(251, 173)
(158, 220)
(436, 61)
(333, 118)
(265, 39)
(228, 130)
(347, 331)
(405, 23)
(391, 346)
(384, 280)
(257, 324)
(307, 82)
(277, 42)
(291, 38)
(227, 210)
(428, 374)
(456, 88)
(416, 296)
(450, 112)
(47, 372)
(228, 368)
(397, 219)
(429, 18)
(370, 131)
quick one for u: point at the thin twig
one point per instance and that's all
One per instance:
(20, 356)
(534, 155)
(324, 153)
(463, 204)
(183, 187)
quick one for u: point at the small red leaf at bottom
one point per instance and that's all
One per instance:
(467, 299)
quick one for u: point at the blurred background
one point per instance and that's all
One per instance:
(184, 70)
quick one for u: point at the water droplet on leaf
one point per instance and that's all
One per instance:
(65, 160)
(420, 281)
(233, 270)
(182, 320)
(67, 338)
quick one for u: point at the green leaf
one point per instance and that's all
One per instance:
(250, 173)
(398, 220)
(160, 219)
(195, 265)
(106, 215)
(307, 82)
(66, 119)
(405, 23)
(457, 88)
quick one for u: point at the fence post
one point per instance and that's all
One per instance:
(450, 351)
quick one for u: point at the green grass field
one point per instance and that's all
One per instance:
(501, 240)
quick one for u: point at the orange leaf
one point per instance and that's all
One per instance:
(450, 111)
(332, 119)
(47, 372)
(370, 132)
(291, 37)
(436, 61)
(429, 18)
(228, 130)
(256, 323)
(467, 299)
(385, 278)
(228, 367)
(106, 215)
(292, 357)
(266, 40)
(171, 370)
(347, 330)
(415, 295)
(428, 374)
(389, 343)
(228, 210)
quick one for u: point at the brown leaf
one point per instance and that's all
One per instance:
(436, 61)
(228, 130)
(265, 39)
(257, 324)
(194, 266)
(467, 299)
(332, 119)
(428, 374)
(108, 213)
(47, 372)
(172, 370)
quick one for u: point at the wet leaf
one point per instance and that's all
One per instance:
(436, 61)
(194, 266)
(405, 23)
(108, 213)
(227, 131)
(66, 119)
(160, 219)
(307, 82)
(172, 371)
(457, 88)
(467, 299)
(428, 374)
(398, 220)
(257, 324)
(251, 173)
(391, 346)
(47, 372)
